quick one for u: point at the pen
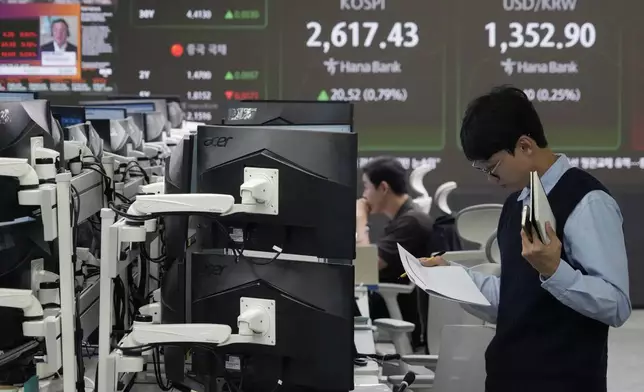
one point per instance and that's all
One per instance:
(403, 276)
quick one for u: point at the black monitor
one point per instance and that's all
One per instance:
(121, 97)
(22, 241)
(167, 98)
(68, 116)
(154, 125)
(104, 113)
(133, 106)
(288, 113)
(315, 169)
(178, 179)
(135, 109)
(314, 308)
(314, 302)
(18, 96)
(19, 122)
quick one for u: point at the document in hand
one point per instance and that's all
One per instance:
(540, 211)
(452, 283)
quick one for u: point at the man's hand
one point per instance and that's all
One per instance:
(437, 261)
(544, 258)
(362, 208)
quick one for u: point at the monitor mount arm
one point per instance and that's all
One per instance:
(75, 153)
(31, 193)
(37, 326)
(256, 324)
(259, 195)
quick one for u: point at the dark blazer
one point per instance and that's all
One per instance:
(49, 47)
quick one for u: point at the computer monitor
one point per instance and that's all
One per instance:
(104, 113)
(155, 125)
(22, 241)
(121, 97)
(19, 122)
(314, 302)
(18, 96)
(315, 169)
(136, 109)
(314, 307)
(174, 112)
(178, 179)
(288, 113)
(132, 106)
(68, 115)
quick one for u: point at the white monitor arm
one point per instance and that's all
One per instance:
(21, 299)
(256, 323)
(75, 153)
(44, 160)
(259, 194)
(37, 326)
(33, 194)
(20, 169)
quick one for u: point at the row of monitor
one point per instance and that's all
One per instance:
(114, 108)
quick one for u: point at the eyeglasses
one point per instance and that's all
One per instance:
(489, 172)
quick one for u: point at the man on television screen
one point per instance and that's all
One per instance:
(60, 32)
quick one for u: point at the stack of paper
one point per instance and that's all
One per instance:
(452, 283)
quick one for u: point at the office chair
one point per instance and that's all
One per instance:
(424, 201)
(441, 194)
(475, 224)
(461, 366)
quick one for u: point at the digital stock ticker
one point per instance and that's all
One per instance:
(410, 66)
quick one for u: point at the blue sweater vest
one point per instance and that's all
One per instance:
(540, 343)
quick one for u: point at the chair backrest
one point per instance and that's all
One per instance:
(424, 203)
(416, 179)
(492, 250)
(442, 312)
(461, 364)
(441, 194)
(488, 269)
(477, 223)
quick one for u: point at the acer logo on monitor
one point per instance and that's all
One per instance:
(221, 141)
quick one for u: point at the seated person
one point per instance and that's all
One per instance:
(385, 192)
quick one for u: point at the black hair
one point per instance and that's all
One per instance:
(495, 121)
(389, 170)
(60, 20)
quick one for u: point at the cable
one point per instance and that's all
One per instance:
(107, 182)
(118, 209)
(279, 252)
(136, 165)
(156, 361)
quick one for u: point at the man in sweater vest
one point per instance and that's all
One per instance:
(553, 304)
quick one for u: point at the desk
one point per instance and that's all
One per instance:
(365, 378)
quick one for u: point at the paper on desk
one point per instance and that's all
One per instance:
(452, 283)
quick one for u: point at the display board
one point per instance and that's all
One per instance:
(410, 66)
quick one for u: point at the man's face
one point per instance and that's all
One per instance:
(59, 31)
(509, 170)
(375, 196)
